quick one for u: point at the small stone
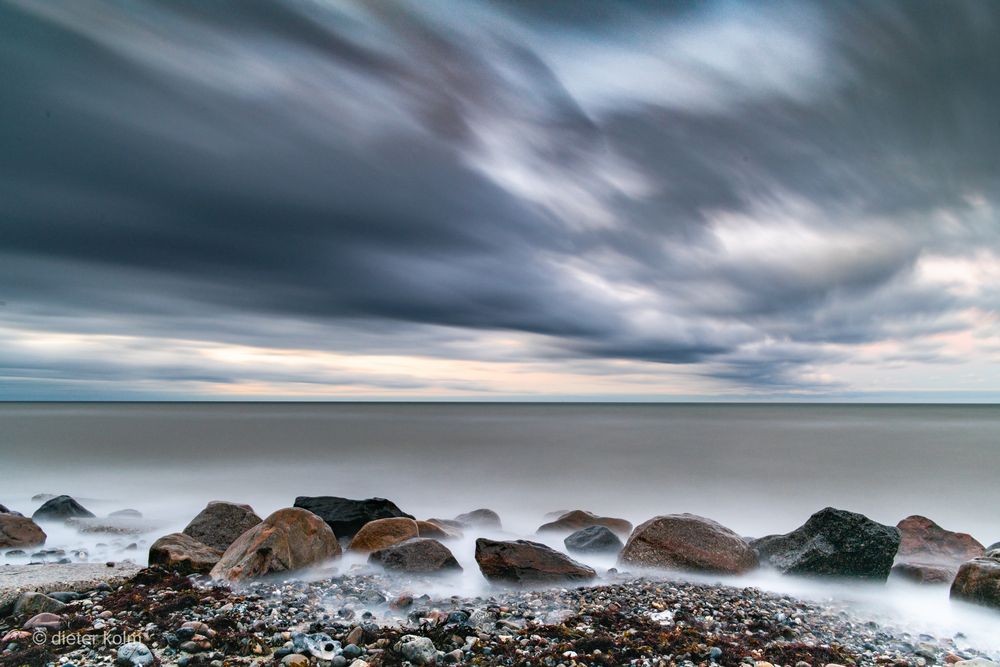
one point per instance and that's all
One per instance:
(295, 660)
(416, 649)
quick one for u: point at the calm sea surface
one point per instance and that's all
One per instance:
(755, 468)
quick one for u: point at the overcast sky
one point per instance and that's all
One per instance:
(503, 199)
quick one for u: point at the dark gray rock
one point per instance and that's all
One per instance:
(221, 523)
(4, 510)
(993, 547)
(833, 543)
(595, 539)
(61, 508)
(524, 562)
(481, 518)
(419, 555)
(346, 516)
(128, 513)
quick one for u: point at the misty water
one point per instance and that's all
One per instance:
(757, 469)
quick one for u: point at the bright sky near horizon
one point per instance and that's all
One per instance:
(326, 199)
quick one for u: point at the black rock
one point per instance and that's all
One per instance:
(66, 596)
(594, 539)
(4, 510)
(346, 516)
(61, 508)
(995, 545)
(833, 543)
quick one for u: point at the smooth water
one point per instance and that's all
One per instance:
(758, 469)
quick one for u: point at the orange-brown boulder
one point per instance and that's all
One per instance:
(383, 533)
(290, 539)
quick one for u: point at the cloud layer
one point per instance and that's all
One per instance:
(506, 199)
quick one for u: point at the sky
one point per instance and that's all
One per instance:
(499, 200)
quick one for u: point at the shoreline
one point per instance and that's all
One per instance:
(624, 620)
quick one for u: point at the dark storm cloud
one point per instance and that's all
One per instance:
(203, 170)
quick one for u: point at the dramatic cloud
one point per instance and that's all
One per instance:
(499, 199)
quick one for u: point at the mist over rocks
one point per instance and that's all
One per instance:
(834, 543)
(221, 523)
(593, 539)
(688, 542)
(481, 518)
(576, 519)
(60, 508)
(345, 516)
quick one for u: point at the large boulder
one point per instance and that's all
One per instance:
(688, 542)
(524, 562)
(181, 552)
(833, 543)
(923, 541)
(577, 519)
(345, 516)
(61, 508)
(595, 539)
(19, 531)
(290, 539)
(978, 581)
(221, 523)
(31, 603)
(481, 518)
(421, 555)
(383, 533)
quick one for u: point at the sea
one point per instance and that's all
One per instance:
(756, 468)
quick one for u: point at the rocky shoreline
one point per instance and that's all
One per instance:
(233, 588)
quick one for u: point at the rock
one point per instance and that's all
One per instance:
(524, 562)
(417, 555)
(318, 644)
(127, 513)
(978, 581)
(295, 660)
(42, 497)
(688, 542)
(383, 533)
(45, 620)
(577, 519)
(481, 518)
(134, 654)
(181, 552)
(289, 539)
(4, 510)
(221, 523)
(595, 539)
(345, 516)
(19, 531)
(992, 547)
(923, 541)
(924, 573)
(61, 508)
(30, 604)
(437, 531)
(416, 649)
(833, 543)
(121, 525)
